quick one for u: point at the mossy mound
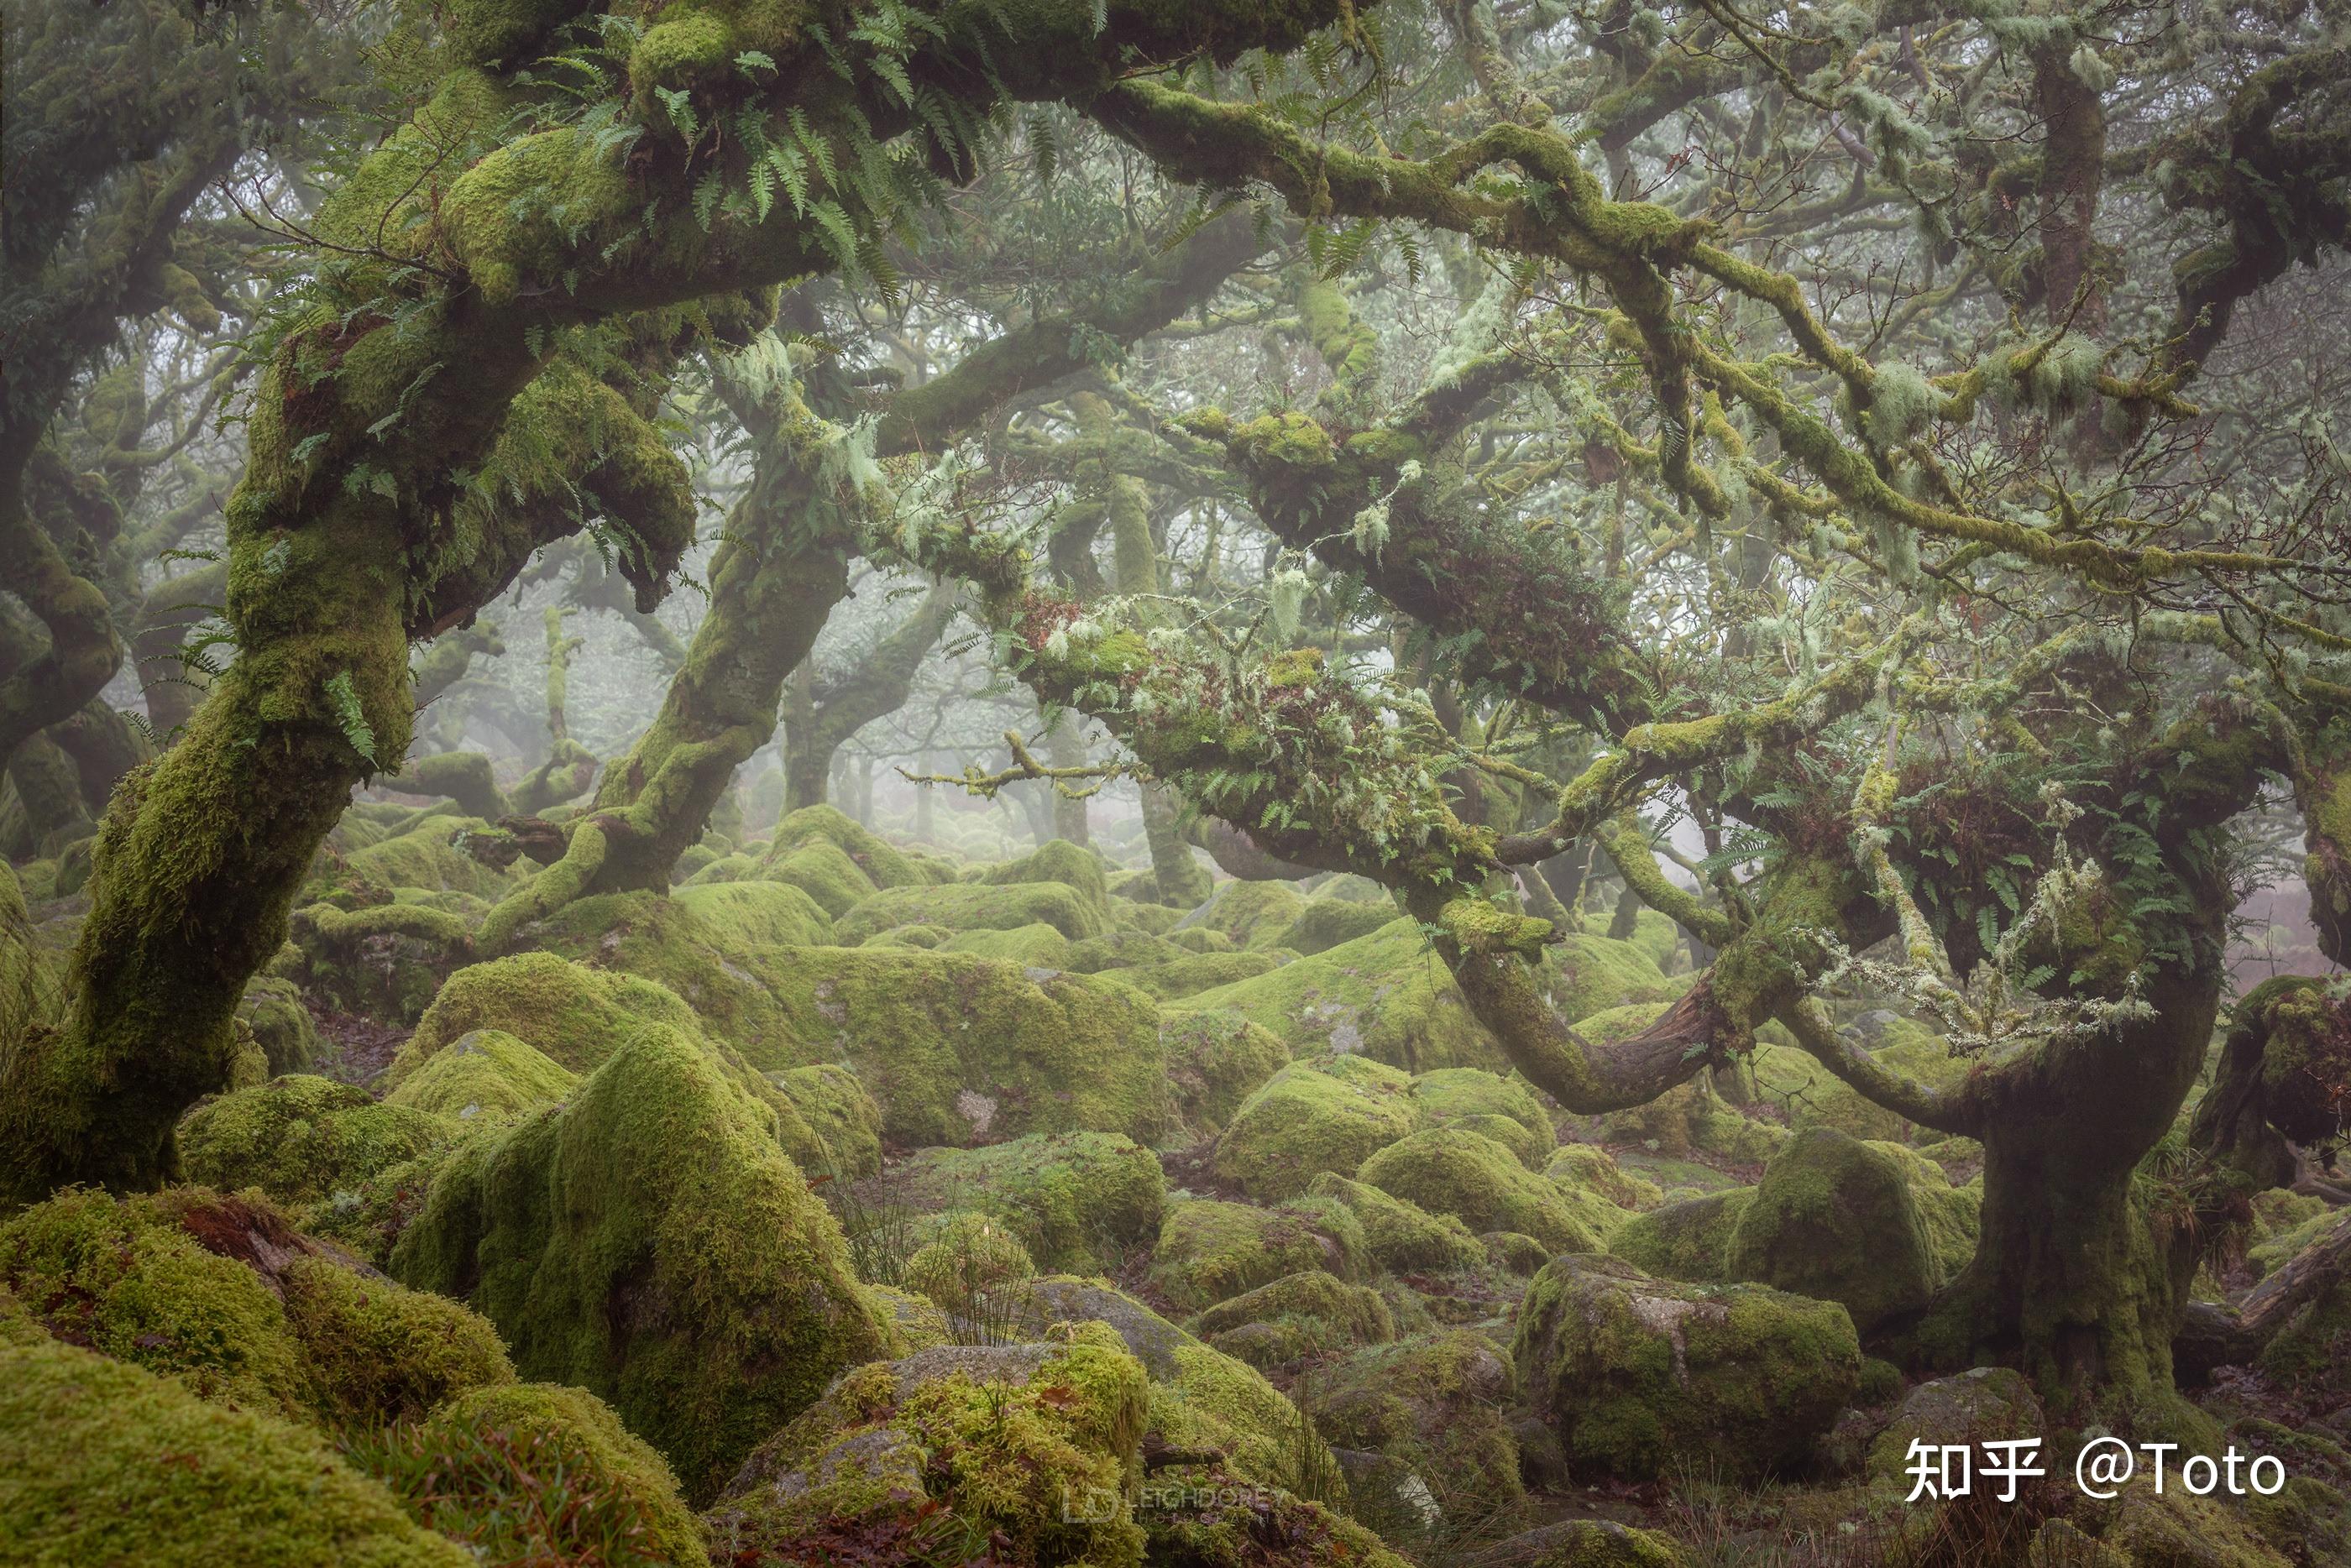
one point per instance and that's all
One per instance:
(1640, 1375)
(956, 1049)
(1297, 1315)
(825, 873)
(101, 1462)
(1032, 1446)
(924, 937)
(2173, 1529)
(1586, 1544)
(1211, 1252)
(1435, 1405)
(973, 906)
(1122, 947)
(1457, 1095)
(1246, 914)
(1784, 1076)
(222, 1294)
(487, 1073)
(1077, 1200)
(1201, 1399)
(575, 1014)
(1195, 973)
(843, 1116)
(1833, 1218)
(1058, 860)
(1987, 1404)
(423, 858)
(1199, 940)
(1587, 974)
(2311, 1354)
(1688, 1119)
(1215, 1061)
(1328, 1114)
(971, 1257)
(495, 1464)
(1450, 1170)
(878, 860)
(1324, 922)
(1402, 1236)
(650, 1242)
(272, 1009)
(1036, 945)
(1688, 1241)
(300, 1137)
(1386, 996)
(758, 914)
(1587, 1167)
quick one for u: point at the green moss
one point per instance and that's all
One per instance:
(1400, 1235)
(1195, 973)
(1324, 922)
(1199, 940)
(1075, 1199)
(1588, 974)
(973, 906)
(2176, 1527)
(1785, 1077)
(281, 1026)
(843, 1116)
(1640, 1376)
(1589, 1168)
(1386, 996)
(1211, 1252)
(956, 1048)
(103, 1462)
(1467, 1096)
(650, 1242)
(1331, 1112)
(299, 1139)
(916, 1323)
(1985, 1404)
(1298, 1315)
(1037, 945)
(575, 1014)
(485, 1073)
(824, 871)
(1686, 1241)
(971, 1257)
(372, 1351)
(425, 858)
(568, 1432)
(1058, 860)
(1835, 1219)
(924, 937)
(758, 914)
(1247, 914)
(881, 863)
(1121, 948)
(1436, 1403)
(1450, 1170)
(1215, 1061)
(1033, 1445)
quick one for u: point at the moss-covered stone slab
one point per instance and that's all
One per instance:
(1386, 996)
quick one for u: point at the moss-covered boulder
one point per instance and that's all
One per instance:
(1585, 1544)
(1324, 922)
(272, 1009)
(1034, 1447)
(758, 914)
(1326, 1114)
(1201, 1399)
(957, 1049)
(1385, 995)
(1036, 945)
(824, 872)
(1123, 947)
(1297, 1315)
(1195, 972)
(1784, 1076)
(973, 906)
(426, 858)
(1688, 1241)
(103, 1462)
(1834, 1218)
(300, 1137)
(1450, 1170)
(1058, 860)
(223, 1296)
(1400, 1235)
(2175, 1529)
(843, 1116)
(1435, 1405)
(485, 1073)
(1504, 1109)
(1986, 1404)
(1076, 1200)
(1211, 1252)
(576, 1014)
(1215, 1061)
(481, 1467)
(882, 862)
(1247, 914)
(1640, 1375)
(1588, 973)
(650, 1242)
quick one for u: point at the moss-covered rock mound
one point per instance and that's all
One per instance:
(1296, 1316)
(1400, 1235)
(1328, 1114)
(651, 1242)
(1834, 1218)
(1453, 1170)
(1075, 1199)
(300, 1137)
(1640, 1375)
(1211, 1252)
(1385, 996)
(485, 1073)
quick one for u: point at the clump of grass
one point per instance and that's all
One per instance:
(512, 1498)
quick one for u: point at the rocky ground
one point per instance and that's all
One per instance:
(860, 1204)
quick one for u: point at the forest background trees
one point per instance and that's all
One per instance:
(1862, 481)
